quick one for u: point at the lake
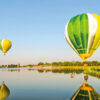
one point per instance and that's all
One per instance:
(32, 84)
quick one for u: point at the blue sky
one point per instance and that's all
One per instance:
(36, 29)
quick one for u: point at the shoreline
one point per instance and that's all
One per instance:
(55, 67)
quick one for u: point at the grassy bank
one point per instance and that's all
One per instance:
(94, 71)
(90, 70)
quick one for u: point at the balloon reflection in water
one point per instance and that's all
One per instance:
(4, 91)
(86, 92)
(72, 75)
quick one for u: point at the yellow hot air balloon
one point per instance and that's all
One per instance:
(5, 45)
(83, 34)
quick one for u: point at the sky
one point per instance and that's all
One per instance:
(36, 29)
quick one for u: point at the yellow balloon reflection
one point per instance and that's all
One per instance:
(4, 91)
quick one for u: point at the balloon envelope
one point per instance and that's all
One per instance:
(5, 45)
(82, 33)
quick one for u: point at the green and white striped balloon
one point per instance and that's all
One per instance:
(83, 34)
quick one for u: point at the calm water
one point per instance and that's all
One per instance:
(37, 85)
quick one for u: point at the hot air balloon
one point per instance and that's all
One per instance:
(82, 33)
(5, 45)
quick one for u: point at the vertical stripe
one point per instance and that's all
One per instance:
(96, 42)
(70, 33)
(76, 32)
(84, 31)
(92, 31)
(2, 44)
(68, 40)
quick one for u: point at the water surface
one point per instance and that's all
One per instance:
(38, 85)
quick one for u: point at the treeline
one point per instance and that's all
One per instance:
(71, 63)
(65, 63)
(11, 65)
